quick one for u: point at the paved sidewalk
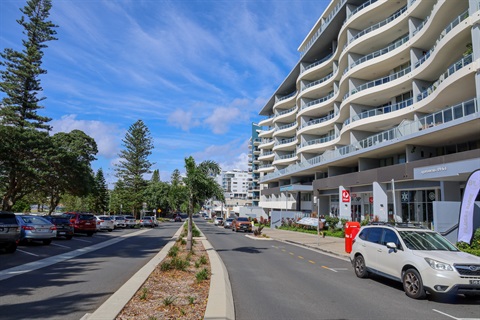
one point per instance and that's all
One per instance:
(328, 244)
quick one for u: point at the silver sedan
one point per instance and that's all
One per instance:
(33, 228)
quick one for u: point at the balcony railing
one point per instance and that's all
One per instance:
(378, 82)
(286, 126)
(451, 70)
(324, 25)
(380, 52)
(456, 112)
(316, 63)
(317, 121)
(318, 101)
(287, 96)
(383, 110)
(364, 5)
(378, 25)
(284, 112)
(286, 156)
(314, 83)
(285, 141)
(318, 141)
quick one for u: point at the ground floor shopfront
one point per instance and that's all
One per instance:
(403, 193)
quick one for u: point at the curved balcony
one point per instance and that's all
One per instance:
(317, 145)
(379, 111)
(266, 144)
(284, 100)
(266, 122)
(450, 71)
(286, 115)
(266, 168)
(286, 130)
(311, 86)
(286, 144)
(266, 133)
(285, 159)
(268, 155)
(314, 103)
(316, 63)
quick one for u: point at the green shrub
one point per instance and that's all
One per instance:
(173, 251)
(191, 300)
(179, 264)
(169, 300)
(332, 222)
(143, 296)
(165, 266)
(203, 260)
(202, 275)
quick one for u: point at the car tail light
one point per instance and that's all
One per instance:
(53, 228)
(28, 228)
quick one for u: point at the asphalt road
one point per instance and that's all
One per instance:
(68, 279)
(275, 280)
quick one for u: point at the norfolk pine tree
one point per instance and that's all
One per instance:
(134, 163)
(22, 130)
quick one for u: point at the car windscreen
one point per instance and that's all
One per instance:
(242, 219)
(423, 240)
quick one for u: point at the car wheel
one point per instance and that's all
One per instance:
(359, 266)
(110, 230)
(69, 237)
(47, 242)
(11, 247)
(412, 284)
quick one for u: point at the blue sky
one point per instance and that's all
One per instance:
(196, 72)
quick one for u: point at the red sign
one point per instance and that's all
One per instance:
(345, 196)
(370, 199)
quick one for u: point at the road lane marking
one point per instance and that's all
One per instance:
(312, 262)
(284, 250)
(447, 315)
(300, 257)
(59, 245)
(325, 267)
(36, 255)
(76, 239)
(292, 254)
(11, 272)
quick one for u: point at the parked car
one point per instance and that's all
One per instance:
(148, 221)
(9, 231)
(119, 221)
(82, 222)
(228, 223)
(105, 223)
(64, 226)
(218, 221)
(35, 228)
(177, 218)
(130, 221)
(242, 224)
(421, 259)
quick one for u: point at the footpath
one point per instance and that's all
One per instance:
(220, 299)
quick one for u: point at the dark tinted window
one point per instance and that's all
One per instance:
(375, 235)
(7, 218)
(242, 219)
(391, 236)
(86, 217)
(363, 234)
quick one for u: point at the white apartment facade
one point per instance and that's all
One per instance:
(380, 116)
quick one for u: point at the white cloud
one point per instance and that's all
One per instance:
(182, 119)
(106, 135)
(221, 118)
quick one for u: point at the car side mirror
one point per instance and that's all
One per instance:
(392, 246)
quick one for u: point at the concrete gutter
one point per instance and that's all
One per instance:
(220, 298)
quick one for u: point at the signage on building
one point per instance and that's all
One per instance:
(370, 199)
(345, 196)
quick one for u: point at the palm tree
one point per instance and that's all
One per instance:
(201, 186)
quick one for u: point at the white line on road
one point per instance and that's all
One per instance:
(324, 267)
(87, 241)
(445, 314)
(36, 255)
(59, 245)
(8, 273)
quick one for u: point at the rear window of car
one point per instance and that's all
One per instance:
(86, 217)
(105, 218)
(242, 219)
(58, 220)
(7, 218)
(34, 220)
(129, 217)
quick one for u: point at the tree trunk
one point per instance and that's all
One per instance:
(190, 221)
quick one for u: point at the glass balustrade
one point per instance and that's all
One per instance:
(318, 101)
(317, 121)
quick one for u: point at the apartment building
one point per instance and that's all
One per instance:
(380, 116)
(253, 163)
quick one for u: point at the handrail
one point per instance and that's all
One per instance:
(317, 101)
(380, 52)
(364, 5)
(287, 96)
(314, 83)
(285, 141)
(444, 32)
(455, 112)
(316, 63)
(451, 70)
(378, 82)
(286, 126)
(286, 156)
(383, 110)
(284, 111)
(318, 141)
(317, 121)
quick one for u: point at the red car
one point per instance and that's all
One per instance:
(82, 222)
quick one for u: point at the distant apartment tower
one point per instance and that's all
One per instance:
(235, 184)
(253, 166)
(380, 116)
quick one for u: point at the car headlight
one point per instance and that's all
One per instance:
(437, 265)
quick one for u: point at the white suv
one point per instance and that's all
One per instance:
(420, 258)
